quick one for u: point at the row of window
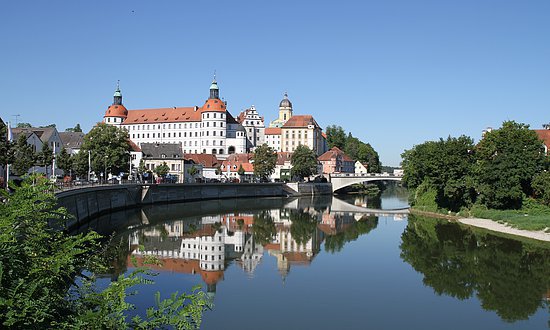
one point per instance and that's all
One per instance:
(170, 135)
(146, 127)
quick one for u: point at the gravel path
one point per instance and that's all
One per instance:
(495, 226)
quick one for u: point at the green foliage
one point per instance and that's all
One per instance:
(240, 170)
(45, 156)
(335, 243)
(507, 276)
(23, 156)
(64, 161)
(353, 147)
(74, 129)
(303, 226)
(424, 197)
(541, 187)
(24, 125)
(263, 228)
(507, 160)
(109, 150)
(336, 137)
(265, 160)
(163, 169)
(304, 162)
(192, 171)
(447, 165)
(47, 278)
(532, 216)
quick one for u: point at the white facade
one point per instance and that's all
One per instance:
(254, 127)
(273, 138)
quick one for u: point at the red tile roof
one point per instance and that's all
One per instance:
(544, 135)
(333, 153)
(134, 146)
(163, 115)
(207, 160)
(300, 121)
(116, 111)
(214, 105)
(283, 157)
(185, 266)
(272, 131)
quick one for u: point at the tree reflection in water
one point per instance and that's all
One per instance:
(507, 276)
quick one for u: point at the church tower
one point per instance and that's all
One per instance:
(116, 113)
(285, 112)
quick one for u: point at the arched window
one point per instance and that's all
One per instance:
(221, 151)
(213, 151)
(203, 151)
(231, 150)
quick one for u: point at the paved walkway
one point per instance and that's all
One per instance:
(495, 226)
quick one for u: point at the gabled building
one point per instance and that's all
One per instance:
(254, 127)
(544, 135)
(302, 130)
(273, 138)
(361, 168)
(282, 167)
(71, 141)
(336, 161)
(36, 137)
(230, 168)
(209, 129)
(156, 154)
(208, 162)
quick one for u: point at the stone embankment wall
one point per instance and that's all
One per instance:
(310, 188)
(86, 203)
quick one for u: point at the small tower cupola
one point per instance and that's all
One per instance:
(214, 90)
(117, 97)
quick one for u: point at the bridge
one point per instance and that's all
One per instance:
(340, 206)
(341, 180)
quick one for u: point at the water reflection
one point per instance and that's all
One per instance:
(189, 239)
(507, 276)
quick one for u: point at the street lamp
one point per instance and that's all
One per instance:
(106, 168)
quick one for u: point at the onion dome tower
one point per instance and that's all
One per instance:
(116, 113)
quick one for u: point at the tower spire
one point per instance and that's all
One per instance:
(117, 97)
(214, 90)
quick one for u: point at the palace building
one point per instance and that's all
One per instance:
(209, 129)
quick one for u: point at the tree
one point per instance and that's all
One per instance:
(541, 187)
(24, 125)
(192, 171)
(304, 162)
(265, 160)
(74, 129)
(45, 157)
(23, 156)
(48, 277)
(162, 170)
(336, 137)
(444, 165)
(109, 150)
(6, 148)
(240, 170)
(507, 160)
(263, 228)
(303, 226)
(64, 161)
(48, 126)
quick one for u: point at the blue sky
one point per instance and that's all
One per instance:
(394, 73)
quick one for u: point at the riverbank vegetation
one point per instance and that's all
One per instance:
(47, 277)
(503, 177)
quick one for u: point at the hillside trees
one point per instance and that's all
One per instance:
(353, 147)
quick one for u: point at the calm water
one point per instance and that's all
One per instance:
(318, 263)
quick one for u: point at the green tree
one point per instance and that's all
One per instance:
(45, 157)
(162, 170)
(303, 226)
(240, 171)
(109, 150)
(48, 277)
(444, 167)
(265, 160)
(192, 171)
(24, 125)
(336, 137)
(263, 228)
(541, 187)
(74, 129)
(507, 160)
(23, 156)
(304, 162)
(64, 161)
(6, 150)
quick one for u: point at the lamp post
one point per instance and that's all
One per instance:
(105, 168)
(89, 164)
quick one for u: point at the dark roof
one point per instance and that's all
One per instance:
(71, 140)
(157, 150)
(43, 133)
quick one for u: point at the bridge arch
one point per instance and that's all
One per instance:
(340, 181)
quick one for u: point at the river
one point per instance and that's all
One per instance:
(319, 263)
